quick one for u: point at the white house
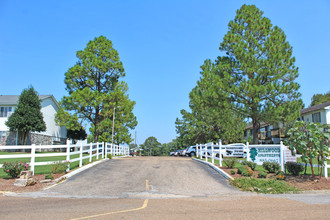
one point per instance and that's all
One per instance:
(54, 134)
(317, 113)
(270, 134)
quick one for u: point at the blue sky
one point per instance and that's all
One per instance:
(162, 45)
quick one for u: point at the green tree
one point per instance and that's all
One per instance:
(320, 98)
(259, 72)
(124, 117)
(151, 147)
(211, 117)
(27, 117)
(311, 140)
(90, 84)
(75, 135)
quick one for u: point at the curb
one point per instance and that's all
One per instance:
(76, 171)
(223, 173)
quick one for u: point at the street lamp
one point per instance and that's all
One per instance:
(113, 124)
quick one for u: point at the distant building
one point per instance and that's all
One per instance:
(54, 134)
(317, 113)
(271, 134)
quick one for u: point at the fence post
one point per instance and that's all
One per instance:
(247, 152)
(196, 150)
(282, 156)
(206, 151)
(325, 168)
(212, 152)
(90, 152)
(102, 150)
(81, 153)
(220, 153)
(201, 149)
(68, 154)
(97, 150)
(33, 157)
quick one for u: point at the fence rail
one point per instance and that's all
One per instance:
(69, 152)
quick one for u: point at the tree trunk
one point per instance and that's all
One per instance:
(311, 163)
(255, 131)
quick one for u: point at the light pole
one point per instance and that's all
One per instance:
(113, 125)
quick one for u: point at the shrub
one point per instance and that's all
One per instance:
(14, 169)
(247, 171)
(109, 156)
(229, 162)
(271, 167)
(262, 174)
(280, 175)
(294, 168)
(59, 167)
(233, 172)
(49, 176)
(250, 164)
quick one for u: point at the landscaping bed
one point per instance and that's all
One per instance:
(7, 184)
(301, 182)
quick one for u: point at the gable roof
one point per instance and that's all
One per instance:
(315, 108)
(13, 99)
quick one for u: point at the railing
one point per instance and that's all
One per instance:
(326, 166)
(71, 153)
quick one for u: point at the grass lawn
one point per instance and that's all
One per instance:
(45, 169)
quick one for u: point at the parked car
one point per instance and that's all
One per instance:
(191, 151)
(172, 153)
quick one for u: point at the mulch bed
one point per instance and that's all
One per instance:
(7, 185)
(302, 182)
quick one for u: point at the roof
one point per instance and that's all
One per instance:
(13, 99)
(315, 108)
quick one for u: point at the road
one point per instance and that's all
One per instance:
(153, 188)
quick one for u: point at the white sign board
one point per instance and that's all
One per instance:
(233, 151)
(262, 154)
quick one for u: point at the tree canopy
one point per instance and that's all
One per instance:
(259, 71)
(27, 116)
(151, 147)
(94, 90)
(320, 98)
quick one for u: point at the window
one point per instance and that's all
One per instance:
(316, 117)
(2, 134)
(6, 111)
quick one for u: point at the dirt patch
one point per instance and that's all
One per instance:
(7, 185)
(302, 182)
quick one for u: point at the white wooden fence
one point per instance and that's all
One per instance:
(83, 151)
(277, 151)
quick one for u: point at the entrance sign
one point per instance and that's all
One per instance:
(262, 154)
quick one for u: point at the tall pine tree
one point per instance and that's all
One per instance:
(259, 74)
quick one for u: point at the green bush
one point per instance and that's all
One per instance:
(294, 168)
(49, 176)
(244, 170)
(247, 171)
(250, 164)
(271, 167)
(59, 167)
(229, 162)
(109, 156)
(14, 169)
(233, 172)
(262, 174)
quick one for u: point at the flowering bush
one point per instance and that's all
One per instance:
(14, 169)
(59, 167)
(280, 175)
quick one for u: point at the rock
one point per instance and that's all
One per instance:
(26, 174)
(46, 181)
(25, 182)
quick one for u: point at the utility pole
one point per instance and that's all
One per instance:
(113, 125)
